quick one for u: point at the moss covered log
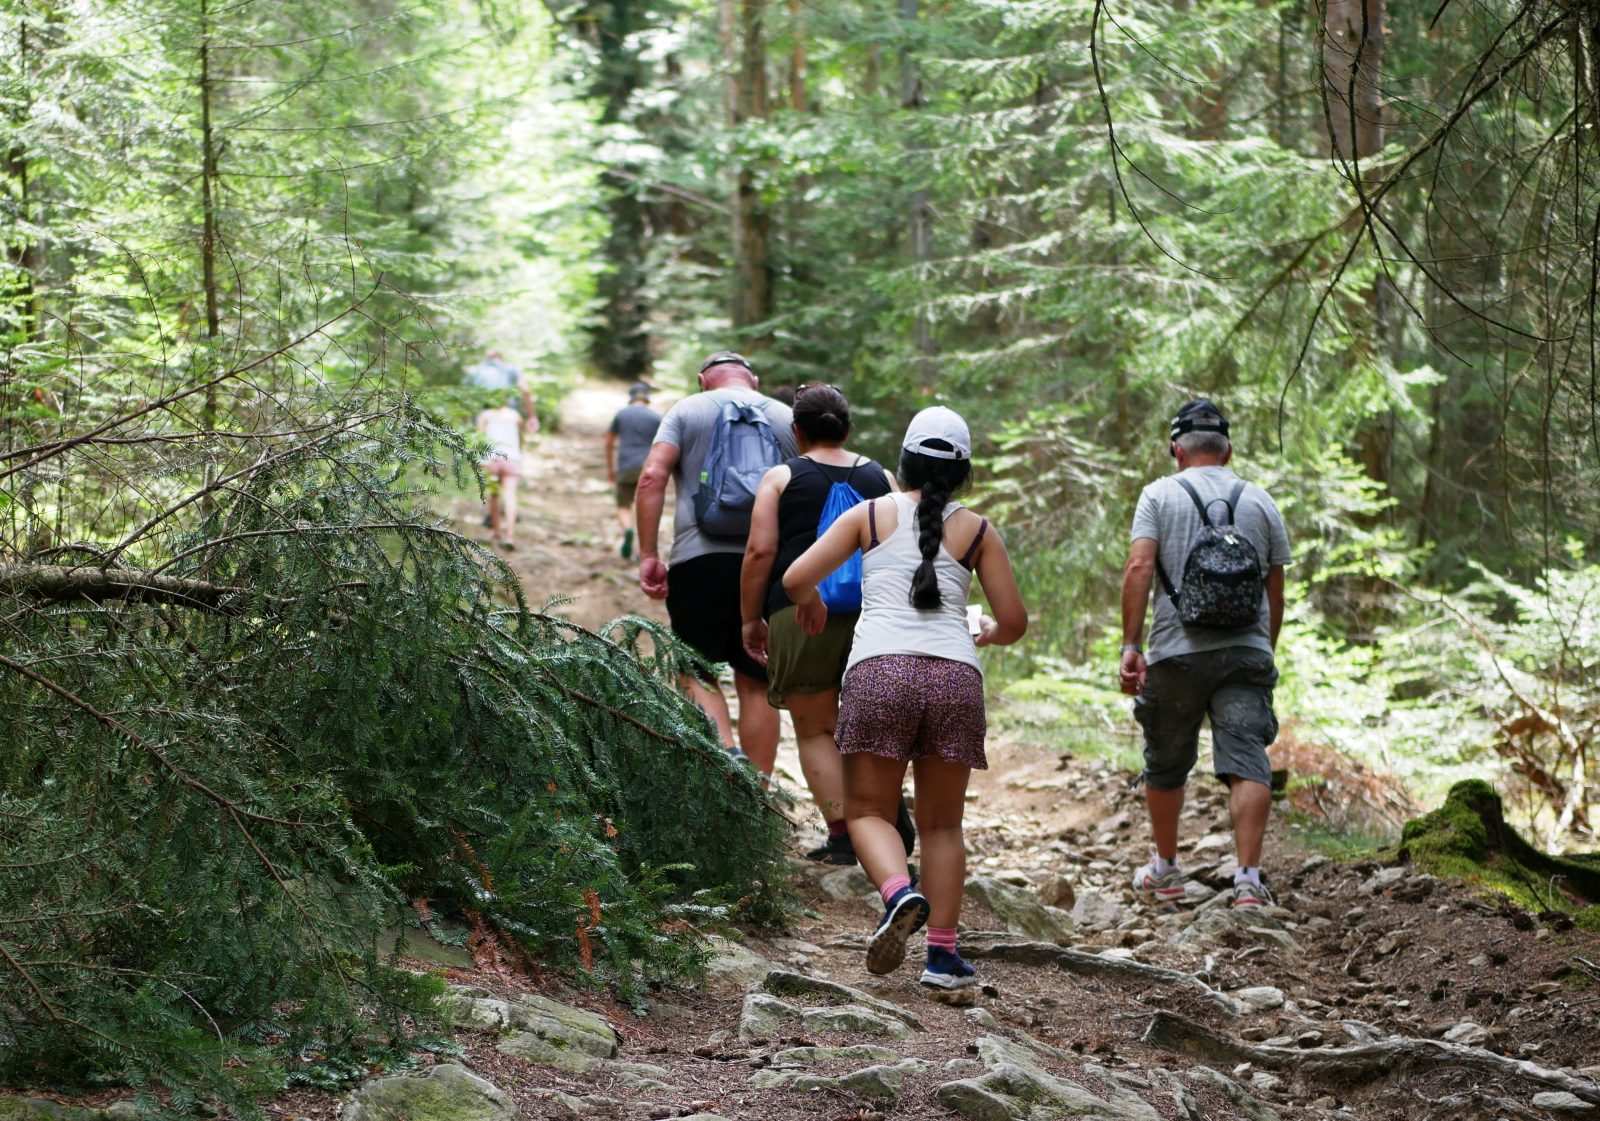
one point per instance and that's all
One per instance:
(1468, 838)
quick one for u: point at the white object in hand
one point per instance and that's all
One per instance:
(974, 619)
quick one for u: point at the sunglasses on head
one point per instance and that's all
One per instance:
(804, 389)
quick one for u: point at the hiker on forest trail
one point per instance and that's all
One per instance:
(715, 445)
(804, 671)
(1214, 548)
(628, 442)
(502, 427)
(495, 373)
(913, 692)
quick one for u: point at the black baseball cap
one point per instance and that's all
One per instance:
(639, 389)
(1199, 415)
(726, 358)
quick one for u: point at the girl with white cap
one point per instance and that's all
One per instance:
(913, 688)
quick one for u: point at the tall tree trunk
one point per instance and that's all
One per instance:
(26, 254)
(619, 342)
(797, 57)
(208, 234)
(1352, 65)
(919, 212)
(752, 220)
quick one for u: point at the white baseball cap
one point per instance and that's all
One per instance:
(938, 423)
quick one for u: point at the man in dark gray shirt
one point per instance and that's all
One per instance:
(628, 442)
(702, 585)
(1192, 671)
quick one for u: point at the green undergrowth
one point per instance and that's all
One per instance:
(1468, 838)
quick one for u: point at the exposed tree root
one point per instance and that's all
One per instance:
(1361, 1062)
(1093, 965)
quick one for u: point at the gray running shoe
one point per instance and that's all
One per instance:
(1249, 895)
(1164, 887)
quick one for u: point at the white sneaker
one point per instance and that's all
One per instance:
(1164, 887)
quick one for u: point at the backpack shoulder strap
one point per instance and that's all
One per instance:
(1198, 503)
(1233, 502)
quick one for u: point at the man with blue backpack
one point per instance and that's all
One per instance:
(1218, 547)
(715, 445)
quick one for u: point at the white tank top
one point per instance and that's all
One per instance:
(503, 430)
(889, 624)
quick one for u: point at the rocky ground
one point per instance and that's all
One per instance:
(1371, 992)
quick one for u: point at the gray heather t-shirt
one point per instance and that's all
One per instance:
(634, 426)
(1166, 515)
(688, 426)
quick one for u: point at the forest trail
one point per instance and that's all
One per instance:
(1094, 1004)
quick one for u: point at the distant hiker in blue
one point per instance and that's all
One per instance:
(628, 441)
(716, 446)
(796, 502)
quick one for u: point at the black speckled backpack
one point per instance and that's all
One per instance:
(1222, 578)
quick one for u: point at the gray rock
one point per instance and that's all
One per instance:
(642, 1076)
(846, 883)
(1058, 891)
(1468, 1034)
(1260, 998)
(1021, 910)
(762, 1014)
(882, 1083)
(854, 1018)
(1560, 1101)
(16, 1108)
(733, 964)
(1384, 879)
(561, 1026)
(1250, 1106)
(447, 1092)
(1016, 1087)
(534, 1048)
(963, 1067)
(983, 1018)
(1263, 1081)
(784, 983)
(1098, 910)
(579, 1106)
(856, 1052)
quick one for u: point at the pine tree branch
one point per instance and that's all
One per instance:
(97, 585)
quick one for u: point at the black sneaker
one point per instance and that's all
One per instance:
(835, 850)
(904, 826)
(903, 917)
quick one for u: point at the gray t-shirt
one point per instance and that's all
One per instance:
(1166, 515)
(634, 426)
(688, 426)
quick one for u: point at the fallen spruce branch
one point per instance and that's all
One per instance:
(1362, 1061)
(67, 582)
(1093, 965)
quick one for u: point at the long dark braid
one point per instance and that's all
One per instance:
(938, 479)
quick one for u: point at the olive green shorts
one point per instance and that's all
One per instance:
(802, 663)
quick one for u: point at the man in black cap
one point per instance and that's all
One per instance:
(702, 585)
(628, 441)
(1218, 547)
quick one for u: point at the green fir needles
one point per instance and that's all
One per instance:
(234, 752)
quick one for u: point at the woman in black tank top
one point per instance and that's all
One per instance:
(804, 672)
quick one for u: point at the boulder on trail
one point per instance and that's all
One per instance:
(1021, 910)
(882, 1083)
(1014, 1086)
(736, 965)
(447, 1092)
(534, 1028)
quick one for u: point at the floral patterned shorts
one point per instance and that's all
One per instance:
(907, 707)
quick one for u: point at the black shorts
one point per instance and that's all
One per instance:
(703, 605)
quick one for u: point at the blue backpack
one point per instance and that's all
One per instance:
(841, 588)
(743, 449)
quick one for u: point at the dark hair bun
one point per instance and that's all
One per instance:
(822, 414)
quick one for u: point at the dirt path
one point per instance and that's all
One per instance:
(1357, 956)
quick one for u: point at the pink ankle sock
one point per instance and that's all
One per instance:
(942, 938)
(838, 828)
(892, 885)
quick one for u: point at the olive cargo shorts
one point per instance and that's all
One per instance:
(1233, 686)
